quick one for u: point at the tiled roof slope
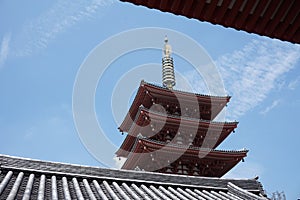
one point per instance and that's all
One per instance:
(22, 178)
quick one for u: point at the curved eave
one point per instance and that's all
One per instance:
(245, 194)
(148, 91)
(186, 120)
(138, 99)
(126, 146)
(142, 152)
(156, 89)
(173, 119)
(275, 19)
(153, 145)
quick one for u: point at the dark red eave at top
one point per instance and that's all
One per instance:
(272, 18)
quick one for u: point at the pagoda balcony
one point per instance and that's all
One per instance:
(171, 128)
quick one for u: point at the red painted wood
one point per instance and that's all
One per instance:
(221, 11)
(252, 19)
(212, 164)
(231, 16)
(188, 6)
(198, 9)
(164, 5)
(292, 13)
(152, 3)
(294, 31)
(270, 29)
(261, 25)
(175, 6)
(242, 18)
(210, 11)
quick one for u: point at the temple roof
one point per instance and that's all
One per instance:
(32, 179)
(148, 93)
(191, 149)
(152, 155)
(175, 119)
(273, 18)
(152, 87)
(194, 128)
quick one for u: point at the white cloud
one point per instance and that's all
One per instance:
(252, 72)
(249, 74)
(269, 108)
(38, 33)
(4, 49)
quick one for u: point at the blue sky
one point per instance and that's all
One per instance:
(43, 44)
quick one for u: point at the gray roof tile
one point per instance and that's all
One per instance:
(22, 178)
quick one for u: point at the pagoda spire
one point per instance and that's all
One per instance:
(168, 75)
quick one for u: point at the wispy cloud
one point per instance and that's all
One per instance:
(269, 108)
(251, 73)
(294, 83)
(4, 49)
(38, 33)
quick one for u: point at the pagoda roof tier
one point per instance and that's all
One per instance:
(208, 106)
(152, 124)
(151, 155)
(145, 116)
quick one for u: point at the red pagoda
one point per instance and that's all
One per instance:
(171, 131)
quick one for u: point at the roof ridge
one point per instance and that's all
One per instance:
(234, 189)
(2, 164)
(53, 162)
(185, 92)
(79, 178)
(118, 179)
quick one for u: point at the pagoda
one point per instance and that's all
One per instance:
(174, 132)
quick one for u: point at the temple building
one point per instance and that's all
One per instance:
(172, 135)
(25, 179)
(170, 151)
(171, 131)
